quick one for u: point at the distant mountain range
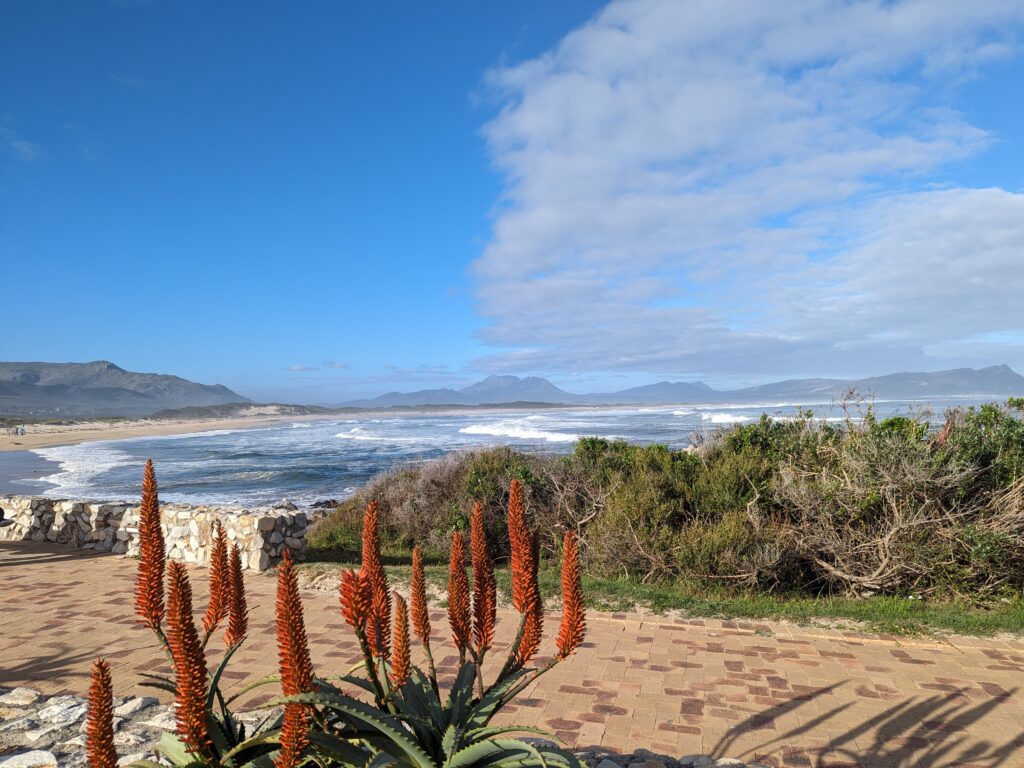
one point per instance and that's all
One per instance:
(99, 389)
(996, 380)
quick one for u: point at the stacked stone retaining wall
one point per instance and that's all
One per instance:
(261, 533)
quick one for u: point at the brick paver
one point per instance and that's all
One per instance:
(784, 695)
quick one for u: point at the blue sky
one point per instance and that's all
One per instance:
(326, 202)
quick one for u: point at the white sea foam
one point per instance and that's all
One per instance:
(359, 433)
(516, 429)
(80, 465)
(724, 418)
(683, 413)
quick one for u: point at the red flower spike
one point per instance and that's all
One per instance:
(220, 584)
(189, 663)
(574, 616)
(401, 661)
(149, 579)
(523, 565)
(372, 569)
(99, 726)
(294, 662)
(354, 593)
(238, 610)
(418, 595)
(458, 595)
(485, 591)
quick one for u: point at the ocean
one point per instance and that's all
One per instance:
(307, 461)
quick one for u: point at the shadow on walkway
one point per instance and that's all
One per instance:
(15, 553)
(923, 733)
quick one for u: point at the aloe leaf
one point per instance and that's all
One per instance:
(215, 677)
(369, 717)
(170, 746)
(461, 695)
(339, 749)
(253, 685)
(169, 687)
(496, 698)
(471, 737)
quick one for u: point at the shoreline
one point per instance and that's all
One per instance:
(42, 435)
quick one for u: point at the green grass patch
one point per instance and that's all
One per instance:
(890, 615)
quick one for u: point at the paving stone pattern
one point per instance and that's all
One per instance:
(643, 689)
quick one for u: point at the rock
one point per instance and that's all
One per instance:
(606, 763)
(285, 504)
(21, 724)
(39, 733)
(20, 697)
(723, 762)
(133, 705)
(648, 764)
(266, 524)
(129, 759)
(162, 721)
(35, 759)
(696, 761)
(129, 739)
(325, 504)
(62, 710)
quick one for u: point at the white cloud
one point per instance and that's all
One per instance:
(300, 368)
(743, 187)
(335, 364)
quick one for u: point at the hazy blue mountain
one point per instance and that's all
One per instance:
(996, 380)
(99, 388)
(493, 389)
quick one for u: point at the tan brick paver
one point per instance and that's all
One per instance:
(784, 695)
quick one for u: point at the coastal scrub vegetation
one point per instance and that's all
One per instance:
(396, 713)
(797, 507)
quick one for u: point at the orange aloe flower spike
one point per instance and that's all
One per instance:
(523, 564)
(149, 579)
(418, 596)
(189, 663)
(372, 569)
(220, 584)
(574, 615)
(295, 665)
(485, 591)
(354, 593)
(458, 595)
(400, 664)
(238, 610)
(99, 727)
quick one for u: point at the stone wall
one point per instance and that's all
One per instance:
(261, 533)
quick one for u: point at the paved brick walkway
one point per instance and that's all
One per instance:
(783, 695)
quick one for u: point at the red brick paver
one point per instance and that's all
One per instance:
(783, 695)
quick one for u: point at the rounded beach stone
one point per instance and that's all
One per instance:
(37, 758)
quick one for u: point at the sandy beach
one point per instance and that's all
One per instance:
(47, 435)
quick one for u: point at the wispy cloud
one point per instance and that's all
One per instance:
(298, 367)
(335, 364)
(19, 147)
(749, 188)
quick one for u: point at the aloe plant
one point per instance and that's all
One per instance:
(398, 715)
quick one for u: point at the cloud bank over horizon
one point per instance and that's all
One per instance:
(731, 190)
